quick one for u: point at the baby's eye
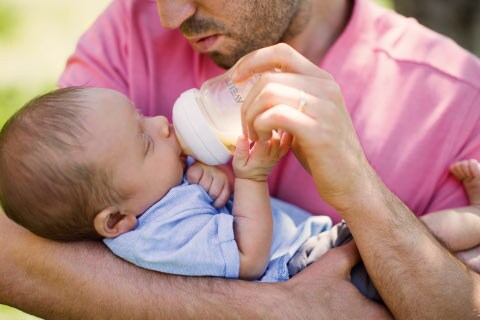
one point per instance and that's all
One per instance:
(146, 143)
(149, 144)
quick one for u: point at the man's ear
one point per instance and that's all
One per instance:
(110, 223)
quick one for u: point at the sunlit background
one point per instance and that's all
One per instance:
(37, 36)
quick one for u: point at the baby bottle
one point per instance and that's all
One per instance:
(207, 122)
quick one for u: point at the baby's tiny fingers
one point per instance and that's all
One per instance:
(275, 144)
(194, 174)
(260, 149)
(285, 143)
(217, 185)
(474, 167)
(242, 151)
(223, 196)
(206, 182)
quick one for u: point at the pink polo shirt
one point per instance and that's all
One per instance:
(413, 95)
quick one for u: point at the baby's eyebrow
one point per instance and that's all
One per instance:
(138, 121)
(141, 131)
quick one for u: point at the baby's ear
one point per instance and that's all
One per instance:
(110, 223)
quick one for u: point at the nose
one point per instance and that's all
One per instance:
(174, 12)
(161, 125)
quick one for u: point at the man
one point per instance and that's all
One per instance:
(406, 90)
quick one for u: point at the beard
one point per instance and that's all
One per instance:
(255, 25)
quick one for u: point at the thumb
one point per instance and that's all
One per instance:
(242, 149)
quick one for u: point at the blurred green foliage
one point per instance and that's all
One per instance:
(8, 21)
(12, 98)
(8, 313)
(386, 3)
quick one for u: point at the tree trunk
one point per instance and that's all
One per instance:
(458, 19)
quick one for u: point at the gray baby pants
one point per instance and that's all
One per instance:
(317, 245)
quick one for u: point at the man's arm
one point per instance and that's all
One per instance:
(85, 281)
(415, 275)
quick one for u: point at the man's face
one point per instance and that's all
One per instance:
(229, 29)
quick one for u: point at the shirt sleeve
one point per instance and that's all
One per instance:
(195, 242)
(99, 59)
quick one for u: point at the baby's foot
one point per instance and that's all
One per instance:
(468, 172)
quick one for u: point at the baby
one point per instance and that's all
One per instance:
(82, 163)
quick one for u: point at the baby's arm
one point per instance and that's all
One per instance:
(253, 226)
(459, 228)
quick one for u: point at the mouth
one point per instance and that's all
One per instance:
(204, 44)
(182, 155)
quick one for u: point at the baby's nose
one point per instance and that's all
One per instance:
(162, 125)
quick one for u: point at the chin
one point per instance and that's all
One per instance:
(221, 60)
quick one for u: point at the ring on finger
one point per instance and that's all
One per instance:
(302, 101)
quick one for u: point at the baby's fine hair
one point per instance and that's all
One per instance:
(46, 185)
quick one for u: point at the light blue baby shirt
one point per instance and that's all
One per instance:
(185, 234)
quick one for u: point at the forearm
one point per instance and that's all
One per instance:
(414, 274)
(458, 228)
(253, 226)
(84, 281)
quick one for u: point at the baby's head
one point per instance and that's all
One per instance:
(82, 163)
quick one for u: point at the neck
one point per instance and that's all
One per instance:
(320, 23)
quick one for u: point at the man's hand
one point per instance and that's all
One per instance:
(257, 163)
(326, 282)
(213, 180)
(307, 102)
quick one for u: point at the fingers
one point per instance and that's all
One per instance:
(260, 150)
(194, 174)
(471, 258)
(474, 168)
(223, 195)
(242, 151)
(465, 169)
(275, 89)
(285, 143)
(213, 180)
(280, 116)
(280, 57)
(458, 169)
(340, 260)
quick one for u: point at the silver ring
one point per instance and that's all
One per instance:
(302, 101)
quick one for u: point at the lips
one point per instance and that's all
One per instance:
(204, 44)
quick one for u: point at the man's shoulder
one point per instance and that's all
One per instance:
(406, 41)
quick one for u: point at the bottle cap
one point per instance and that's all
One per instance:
(193, 129)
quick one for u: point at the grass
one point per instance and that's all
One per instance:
(36, 38)
(14, 314)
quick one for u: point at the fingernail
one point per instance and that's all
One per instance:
(244, 131)
(233, 74)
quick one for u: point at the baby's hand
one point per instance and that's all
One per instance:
(257, 163)
(213, 180)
